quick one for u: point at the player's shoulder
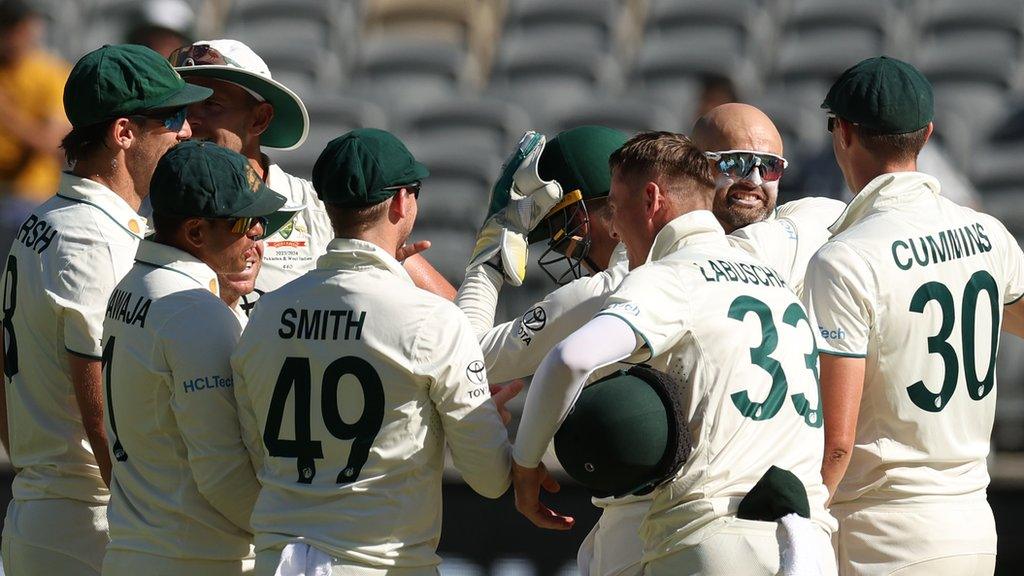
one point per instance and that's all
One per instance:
(823, 211)
(298, 190)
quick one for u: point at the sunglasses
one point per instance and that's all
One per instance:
(173, 120)
(830, 122)
(243, 225)
(412, 187)
(740, 163)
(199, 55)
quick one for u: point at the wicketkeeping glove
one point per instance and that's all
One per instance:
(519, 201)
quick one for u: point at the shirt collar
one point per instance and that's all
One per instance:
(91, 192)
(692, 227)
(281, 182)
(177, 260)
(886, 191)
(350, 253)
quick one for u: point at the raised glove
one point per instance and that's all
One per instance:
(519, 201)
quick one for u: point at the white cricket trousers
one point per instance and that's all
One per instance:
(740, 548)
(267, 561)
(954, 538)
(613, 547)
(54, 536)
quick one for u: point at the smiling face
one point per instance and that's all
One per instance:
(740, 201)
(236, 258)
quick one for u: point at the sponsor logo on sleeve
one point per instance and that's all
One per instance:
(533, 321)
(827, 334)
(476, 372)
(625, 308)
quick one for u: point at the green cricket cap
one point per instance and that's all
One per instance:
(882, 94)
(778, 493)
(118, 81)
(363, 167)
(203, 180)
(624, 434)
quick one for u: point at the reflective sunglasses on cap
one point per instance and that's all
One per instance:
(413, 187)
(740, 163)
(199, 55)
(173, 120)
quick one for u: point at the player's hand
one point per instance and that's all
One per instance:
(411, 249)
(502, 394)
(527, 483)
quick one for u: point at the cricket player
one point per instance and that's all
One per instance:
(747, 158)
(350, 382)
(907, 300)
(127, 107)
(250, 110)
(747, 167)
(183, 486)
(725, 325)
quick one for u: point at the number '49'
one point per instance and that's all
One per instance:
(295, 374)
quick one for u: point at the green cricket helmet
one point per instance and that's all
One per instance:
(626, 433)
(578, 160)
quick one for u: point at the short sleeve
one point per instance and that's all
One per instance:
(1013, 267)
(82, 288)
(651, 299)
(839, 294)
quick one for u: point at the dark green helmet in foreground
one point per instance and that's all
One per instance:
(626, 434)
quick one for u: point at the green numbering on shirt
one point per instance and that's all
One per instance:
(977, 388)
(760, 356)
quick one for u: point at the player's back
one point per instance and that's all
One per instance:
(736, 337)
(932, 276)
(64, 260)
(354, 379)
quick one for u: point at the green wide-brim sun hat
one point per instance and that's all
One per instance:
(290, 124)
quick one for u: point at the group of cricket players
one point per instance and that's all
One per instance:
(213, 367)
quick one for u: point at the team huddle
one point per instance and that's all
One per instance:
(213, 367)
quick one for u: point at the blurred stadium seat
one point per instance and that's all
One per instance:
(629, 115)
(489, 125)
(330, 116)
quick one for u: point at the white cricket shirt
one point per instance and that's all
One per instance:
(350, 381)
(291, 251)
(183, 485)
(790, 236)
(916, 285)
(730, 330)
(64, 261)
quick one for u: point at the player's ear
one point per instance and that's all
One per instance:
(652, 198)
(401, 206)
(121, 134)
(928, 131)
(845, 133)
(194, 232)
(260, 118)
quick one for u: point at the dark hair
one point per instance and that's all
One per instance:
(349, 221)
(894, 147)
(166, 225)
(83, 142)
(651, 155)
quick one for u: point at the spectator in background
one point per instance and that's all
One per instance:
(32, 122)
(164, 26)
(715, 90)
